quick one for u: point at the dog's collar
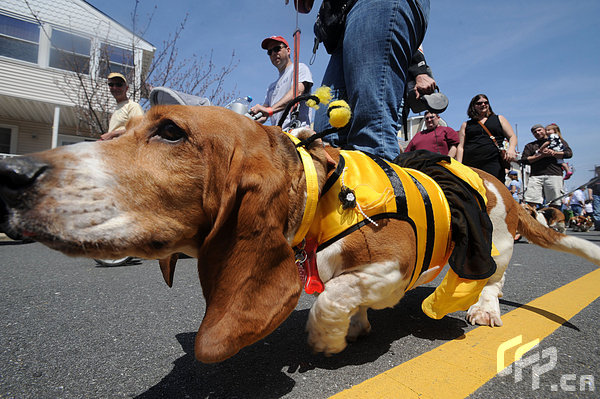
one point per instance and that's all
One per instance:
(312, 191)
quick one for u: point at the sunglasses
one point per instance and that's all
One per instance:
(482, 103)
(118, 84)
(274, 50)
(430, 118)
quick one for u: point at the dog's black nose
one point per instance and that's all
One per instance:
(17, 174)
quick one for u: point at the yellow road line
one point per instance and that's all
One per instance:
(459, 367)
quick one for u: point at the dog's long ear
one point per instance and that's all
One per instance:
(246, 266)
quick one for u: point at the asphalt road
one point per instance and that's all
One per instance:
(71, 329)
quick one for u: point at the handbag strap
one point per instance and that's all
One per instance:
(489, 134)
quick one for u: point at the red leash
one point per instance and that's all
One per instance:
(296, 58)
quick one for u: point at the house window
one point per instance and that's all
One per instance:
(115, 59)
(19, 39)
(70, 52)
(5, 138)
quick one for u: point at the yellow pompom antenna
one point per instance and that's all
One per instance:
(323, 93)
(339, 113)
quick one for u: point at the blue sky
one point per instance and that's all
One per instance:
(538, 61)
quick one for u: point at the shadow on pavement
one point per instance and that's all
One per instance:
(259, 371)
(549, 315)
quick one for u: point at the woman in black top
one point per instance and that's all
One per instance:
(476, 148)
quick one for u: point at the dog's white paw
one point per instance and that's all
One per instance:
(478, 315)
(325, 338)
(328, 345)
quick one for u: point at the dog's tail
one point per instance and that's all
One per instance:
(548, 238)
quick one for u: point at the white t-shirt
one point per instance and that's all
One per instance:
(125, 110)
(281, 86)
(578, 198)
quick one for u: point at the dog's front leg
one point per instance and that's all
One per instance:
(347, 296)
(329, 317)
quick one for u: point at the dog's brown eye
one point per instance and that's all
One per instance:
(170, 132)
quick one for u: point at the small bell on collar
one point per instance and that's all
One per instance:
(347, 198)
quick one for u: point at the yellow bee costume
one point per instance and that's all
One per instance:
(381, 190)
(417, 188)
(365, 189)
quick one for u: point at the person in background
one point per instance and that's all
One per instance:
(554, 137)
(545, 182)
(435, 138)
(578, 202)
(281, 91)
(476, 148)
(589, 207)
(566, 207)
(514, 186)
(125, 110)
(595, 189)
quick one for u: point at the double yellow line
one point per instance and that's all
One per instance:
(458, 368)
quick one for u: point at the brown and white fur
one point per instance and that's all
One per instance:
(548, 216)
(555, 218)
(532, 211)
(217, 186)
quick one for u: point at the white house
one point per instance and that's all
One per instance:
(35, 35)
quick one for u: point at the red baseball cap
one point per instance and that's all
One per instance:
(268, 42)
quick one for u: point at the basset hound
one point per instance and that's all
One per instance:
(581, 223)
(220, 187)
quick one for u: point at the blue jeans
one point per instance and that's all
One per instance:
(369, 71)
(596, 204)
(577, 209)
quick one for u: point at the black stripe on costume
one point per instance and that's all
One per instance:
(401, 208)
(401, 204)
(429, 243)
(334, 176)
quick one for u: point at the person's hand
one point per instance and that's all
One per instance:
(424, 84)
(260, 108)
(114, 134)
(510, 155)
(547, 152)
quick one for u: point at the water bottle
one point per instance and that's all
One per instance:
(241, 105)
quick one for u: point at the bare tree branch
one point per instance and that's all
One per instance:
(85, 85)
